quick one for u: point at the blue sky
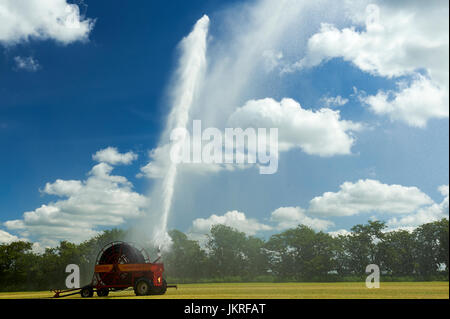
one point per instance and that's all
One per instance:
(64, 97)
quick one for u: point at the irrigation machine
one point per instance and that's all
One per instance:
(120, 265)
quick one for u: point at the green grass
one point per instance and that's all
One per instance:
(387, 290)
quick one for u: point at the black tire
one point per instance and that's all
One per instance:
(160, 290)
(103, 292)
(142, 287)
(87, 292)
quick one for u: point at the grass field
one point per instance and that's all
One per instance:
(387, 290)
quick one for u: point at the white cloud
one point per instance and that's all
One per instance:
(354, 198)
(424, 215)
(234, 219)
(27, 63)
(366, 196)
(282, 218)
(22, 20)
(334, 101)
(158, 164)
(100, 200)
(291, 217)
(6, 238)
(399, 39)
(396, 41)
(111, 156)
(319, 132)
(444, 192)
(63, 188)
(415, 104)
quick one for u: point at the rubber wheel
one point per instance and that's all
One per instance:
(87, 292)
(103, 292)
(142, 287)
(160, 290)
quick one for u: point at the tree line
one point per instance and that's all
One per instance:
(297, 254)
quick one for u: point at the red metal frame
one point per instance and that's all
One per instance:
(150, 271)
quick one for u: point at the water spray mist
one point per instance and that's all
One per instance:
(189, 77)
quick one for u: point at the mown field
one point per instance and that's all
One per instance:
(387, 290)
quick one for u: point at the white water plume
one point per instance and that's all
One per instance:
(188, 78)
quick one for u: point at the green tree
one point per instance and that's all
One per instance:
(225, 247)
(185, 260)
(322, 262)
(397, 253)
(232, 253)
(363, 246)
(14, 264)
(443, 235)
(431, 249)
(341, 255)
(281, 256)
(256, 262)
(301, 254)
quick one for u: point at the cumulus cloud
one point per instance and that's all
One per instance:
(235, 219)
(398, 39)
(320, 132)
(444, 192)
(112, 156)
(102, 200)
(424, 215)
(6, 238)
(291, 217)
(58, 20)
(158, 164)
(280, 219)
(63, 188)
(415, 104)
(26, 63)
(366, 196)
